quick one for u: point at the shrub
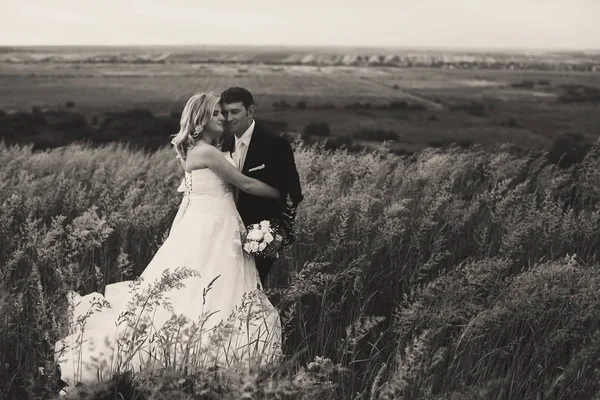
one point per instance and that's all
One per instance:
(339, 142)
(65, 121)
(475, 107)
(568, 149)
(325, 106)
(281, 105)
(20, 126)
(579, 94)
(526, 84)
(320, 129)
(399, 105)
(353, 106)
(378, 135)
(403, 105)
(511, 123)
(276, 126)
(135, 113)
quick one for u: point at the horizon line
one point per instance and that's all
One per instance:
(324, 46)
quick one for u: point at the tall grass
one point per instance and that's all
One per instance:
(453, 273)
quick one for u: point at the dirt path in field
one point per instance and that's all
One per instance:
(429, 103)
(409, 96)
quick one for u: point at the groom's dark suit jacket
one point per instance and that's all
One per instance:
(270, 159)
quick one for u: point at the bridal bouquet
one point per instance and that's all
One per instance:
(263, 239)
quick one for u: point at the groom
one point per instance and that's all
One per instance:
(266, 156)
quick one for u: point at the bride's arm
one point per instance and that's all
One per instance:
(210, 157)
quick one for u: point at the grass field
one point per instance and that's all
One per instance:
(530, 117)
(456, 273)
(452, 273)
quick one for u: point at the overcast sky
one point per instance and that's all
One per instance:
(544, 24)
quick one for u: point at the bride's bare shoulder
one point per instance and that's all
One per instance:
(201, 150)
(201, 155)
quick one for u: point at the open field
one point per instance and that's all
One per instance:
(454, 273)
(530, 116)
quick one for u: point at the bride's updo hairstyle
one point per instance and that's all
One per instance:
(196, 114)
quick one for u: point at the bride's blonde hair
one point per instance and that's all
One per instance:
(196, 114)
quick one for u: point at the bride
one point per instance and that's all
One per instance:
(199, 302)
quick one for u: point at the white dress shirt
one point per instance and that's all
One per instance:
(239, 156)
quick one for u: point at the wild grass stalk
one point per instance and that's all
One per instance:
(452, 273)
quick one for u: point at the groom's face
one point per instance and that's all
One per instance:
(237, 117)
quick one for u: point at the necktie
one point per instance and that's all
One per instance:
(238, 160)
(239, 145)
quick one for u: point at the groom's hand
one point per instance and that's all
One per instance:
(276, 247)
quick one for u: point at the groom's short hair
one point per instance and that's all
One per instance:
(236, 95)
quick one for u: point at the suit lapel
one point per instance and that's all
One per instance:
(228, 143)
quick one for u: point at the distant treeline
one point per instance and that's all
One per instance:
(140, 128)
(51, 128)
(59, 127)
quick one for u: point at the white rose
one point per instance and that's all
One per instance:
(255, 226)
(265, 224)
(268, 238)
(247, 247)
(253, 247)
(262, 246)
(255, 235)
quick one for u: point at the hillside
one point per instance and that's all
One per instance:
(450, 274)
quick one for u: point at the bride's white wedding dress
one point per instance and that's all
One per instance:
(202, 271)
